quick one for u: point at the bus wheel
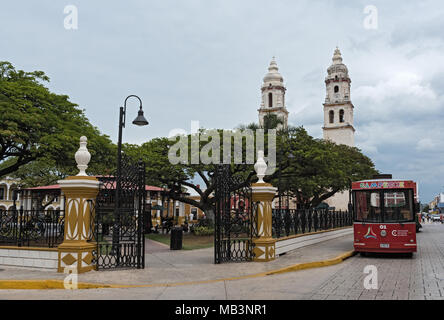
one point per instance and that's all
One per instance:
(409, 255)
(363, 254)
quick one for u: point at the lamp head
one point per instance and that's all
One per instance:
(140, 120)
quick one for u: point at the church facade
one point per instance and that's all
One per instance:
(338, 109)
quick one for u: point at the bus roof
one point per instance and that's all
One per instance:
(377, 180)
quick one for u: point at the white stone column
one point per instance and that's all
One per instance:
(29, 200)
(62, 200)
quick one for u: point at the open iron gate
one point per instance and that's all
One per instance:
(234, 214)
(119, 228)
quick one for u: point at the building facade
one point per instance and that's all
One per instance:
(437, 204)
(8, 186)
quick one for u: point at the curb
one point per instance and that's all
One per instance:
(59, 284)
(45, 285)
(315, 264)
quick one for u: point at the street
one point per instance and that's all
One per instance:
(419, 277)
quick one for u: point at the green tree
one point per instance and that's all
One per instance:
(40, 130)
(176, 178)
(318, 168)
(272, 121)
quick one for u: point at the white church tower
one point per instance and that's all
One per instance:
(273, 96)
(338, 109)
(338, 116)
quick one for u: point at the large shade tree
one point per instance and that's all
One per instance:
(40, 130)
(316, 170)
(178, 178)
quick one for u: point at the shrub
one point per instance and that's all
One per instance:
(203, 231)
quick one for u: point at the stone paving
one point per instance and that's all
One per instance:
(399, 278)
(171, 266)
(420, 277)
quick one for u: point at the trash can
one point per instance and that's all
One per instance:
(176, 238)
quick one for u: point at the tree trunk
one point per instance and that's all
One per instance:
(209, 213)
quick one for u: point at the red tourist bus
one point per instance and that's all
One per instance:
(384, 215)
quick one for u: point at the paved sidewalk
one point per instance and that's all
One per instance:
(166, 266)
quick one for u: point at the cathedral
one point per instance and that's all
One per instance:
(338, 109)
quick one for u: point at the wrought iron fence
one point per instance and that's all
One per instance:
(287, 222)
(118, 229)
(32, 228)
(234, 224)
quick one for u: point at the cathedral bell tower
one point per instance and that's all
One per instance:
(338, 109)
(338, 117)
(273, 96)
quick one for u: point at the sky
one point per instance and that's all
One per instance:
(204, 60)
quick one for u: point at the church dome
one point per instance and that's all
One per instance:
(273, 74)
(337, 67)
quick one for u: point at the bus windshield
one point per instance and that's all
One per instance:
(384, 206)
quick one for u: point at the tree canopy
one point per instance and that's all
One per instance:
(177, 178)
(316, 170)
(40, 129)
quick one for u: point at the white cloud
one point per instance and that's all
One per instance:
(402, 84)
(426, 144)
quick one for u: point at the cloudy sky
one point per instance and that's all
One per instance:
(204, 60)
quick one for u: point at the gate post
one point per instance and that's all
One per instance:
(76, 252)
(263, 194)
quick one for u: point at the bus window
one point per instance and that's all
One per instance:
(368, 207)
(398, 206)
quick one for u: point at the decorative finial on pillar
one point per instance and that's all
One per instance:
(82, 157)
(260, 167)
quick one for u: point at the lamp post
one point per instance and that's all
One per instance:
(139, 121)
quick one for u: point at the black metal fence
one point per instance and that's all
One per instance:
(287, 222)
(234, 214)
(118, 229)
(31, 228)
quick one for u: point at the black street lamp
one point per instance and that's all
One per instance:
(139, 121)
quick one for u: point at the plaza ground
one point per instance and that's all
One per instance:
(179, 275)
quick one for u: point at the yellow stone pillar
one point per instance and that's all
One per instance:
(76, 251)
(264, 244)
